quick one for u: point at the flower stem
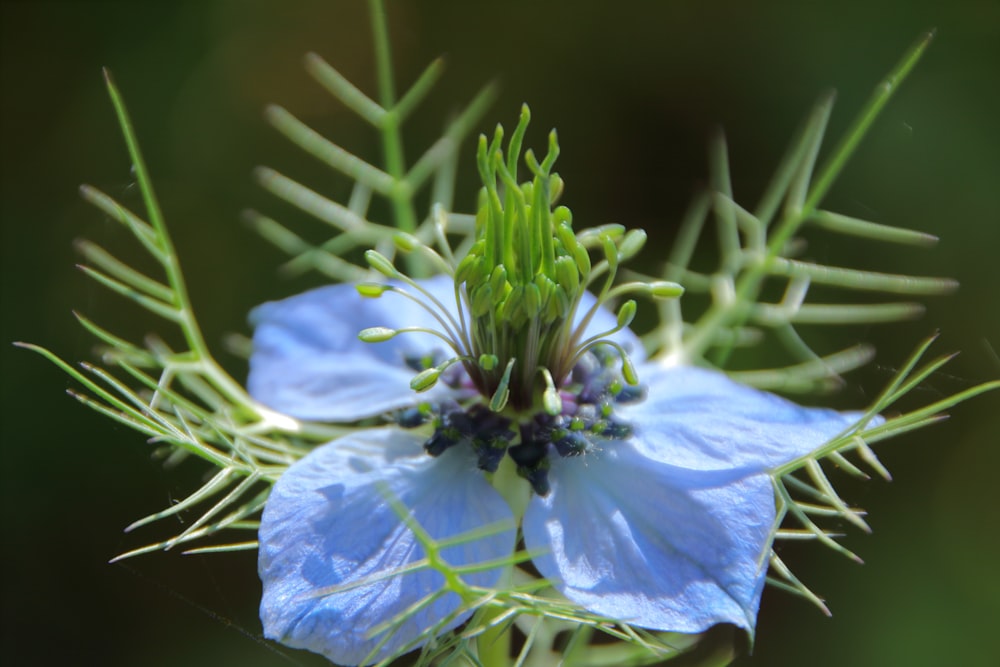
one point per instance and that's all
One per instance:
(494, 644)
(162, 248)
(389, 124)
(514, 488)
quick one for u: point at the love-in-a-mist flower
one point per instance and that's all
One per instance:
(648, 490)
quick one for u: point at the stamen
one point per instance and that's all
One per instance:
(531, 459)
(382, 334)
(537, 476)
(440, 234)
(424, 361)
(376, 334)
(519, 287)
(550, 397)
(486, 432)
(658, 289)
(572, 443)
(499, 399)
(427, 378)
(408, 243)
(414, 417)
(381, 263)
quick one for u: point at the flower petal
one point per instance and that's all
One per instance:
(328, 524)
(652, 544)
(700, 419)
(307, 361)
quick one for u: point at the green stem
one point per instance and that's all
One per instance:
(849, 143)
(494, 645)
(383, 58)
(401, 195)
(168, 260)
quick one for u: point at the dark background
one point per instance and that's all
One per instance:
(635, 89)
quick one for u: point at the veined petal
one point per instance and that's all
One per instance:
(700, 419)
(307, 361)
(652, 544)
(330, 541)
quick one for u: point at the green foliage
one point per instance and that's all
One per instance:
(395, 181)
(183, 401)
(760, 247)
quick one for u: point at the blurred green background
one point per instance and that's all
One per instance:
(635, 89)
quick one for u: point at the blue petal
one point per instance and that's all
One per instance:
(328, 524)
(652, 544)
(307, 361)
(702, 420)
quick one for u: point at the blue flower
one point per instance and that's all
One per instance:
(653, 507)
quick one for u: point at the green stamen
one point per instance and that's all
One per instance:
(499, 399)
(521, 283)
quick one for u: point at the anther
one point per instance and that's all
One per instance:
(413, 417)
(537, 476)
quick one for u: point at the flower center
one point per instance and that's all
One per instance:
(537, 380)
(521, 328)
(585, 421)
